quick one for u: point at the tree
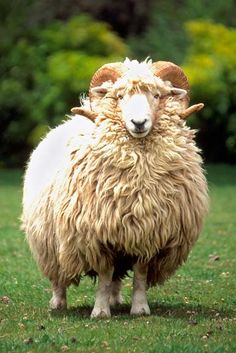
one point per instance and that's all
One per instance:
(43, 75)
(210, 65)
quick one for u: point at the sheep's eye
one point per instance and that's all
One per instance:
(156, 96)
(120, 96)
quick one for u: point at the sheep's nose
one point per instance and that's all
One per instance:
(139, 125)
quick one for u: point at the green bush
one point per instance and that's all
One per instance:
(210, 65)
(165, 37)
(43, 75)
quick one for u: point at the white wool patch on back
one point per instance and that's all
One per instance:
(52, 155)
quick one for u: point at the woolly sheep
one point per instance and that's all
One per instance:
(118, 187)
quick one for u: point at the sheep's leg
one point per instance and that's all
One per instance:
(102, 307)
(58, 300)
(139, 300)
(116, 297)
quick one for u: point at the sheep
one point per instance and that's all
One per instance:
(119, 186)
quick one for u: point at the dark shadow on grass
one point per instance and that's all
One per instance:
(186, 311)
(85, 311)
(221, 175)
(181, 311)
(11, 177)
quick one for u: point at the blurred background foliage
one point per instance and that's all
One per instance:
(50, 49)
(210, 64)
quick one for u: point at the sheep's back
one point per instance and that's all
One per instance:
(52, 155)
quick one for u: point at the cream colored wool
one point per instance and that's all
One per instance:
(108, 192)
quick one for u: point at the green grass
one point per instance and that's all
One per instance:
(193, 312)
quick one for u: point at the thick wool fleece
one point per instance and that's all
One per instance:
(109, 193)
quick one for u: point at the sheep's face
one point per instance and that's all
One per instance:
(138, 111)
(138, 102)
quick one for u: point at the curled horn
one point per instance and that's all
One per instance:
(108, 72)
(168, 71)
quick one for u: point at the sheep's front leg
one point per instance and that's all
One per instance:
(139, 300)
(102, 306)
(58, 300)
(116, 297)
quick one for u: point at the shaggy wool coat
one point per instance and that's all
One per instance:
(95, 196)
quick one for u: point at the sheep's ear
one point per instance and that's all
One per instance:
(179, 91)
(99, 91)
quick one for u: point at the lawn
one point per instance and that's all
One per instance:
(193, 312)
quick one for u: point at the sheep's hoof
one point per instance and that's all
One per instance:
(140, 310)
(58, 303)
(100, 313)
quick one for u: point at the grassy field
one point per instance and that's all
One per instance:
(194, 312)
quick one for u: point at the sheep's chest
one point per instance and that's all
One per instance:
(130, 209)
(134, 199)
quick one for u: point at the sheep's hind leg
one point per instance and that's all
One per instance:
(139, 300)
(102, 306)
(58, 300)
(116, 297)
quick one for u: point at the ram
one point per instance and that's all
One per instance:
(117, 187)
